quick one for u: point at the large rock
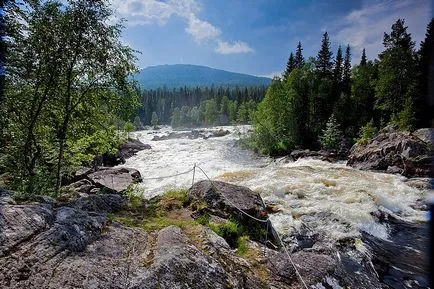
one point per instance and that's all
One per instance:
(125, 151)
(320, 155)
(228, 201)
(225, 200)
(395, 151)
(115, 180)
(426, 135)
(132, 147)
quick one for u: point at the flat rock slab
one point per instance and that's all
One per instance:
(116, 180)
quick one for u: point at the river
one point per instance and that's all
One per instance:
(330, 199)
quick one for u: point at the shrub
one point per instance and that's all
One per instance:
(367, 132)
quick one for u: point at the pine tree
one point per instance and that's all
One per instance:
(363, 59)
(346, 73)
(337, 72)
(289, 66)
(299, 60)
(324, 62)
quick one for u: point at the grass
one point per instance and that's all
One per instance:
(156, 213)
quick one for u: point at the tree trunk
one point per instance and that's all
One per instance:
(62, 140)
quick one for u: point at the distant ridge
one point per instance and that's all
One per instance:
(179, 75)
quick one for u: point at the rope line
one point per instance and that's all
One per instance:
(259, 220)
(266, 221)
(170, 176)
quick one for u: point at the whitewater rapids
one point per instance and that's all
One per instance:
(330, 199)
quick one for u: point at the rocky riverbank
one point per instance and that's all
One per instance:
(409, 154)
(192, 239)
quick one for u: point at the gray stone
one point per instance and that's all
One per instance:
(395, 149)
(115, 180)
(426, 135)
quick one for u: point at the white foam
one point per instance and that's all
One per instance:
(329, 198)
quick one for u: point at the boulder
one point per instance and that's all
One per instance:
(399, 151)
(125, 151)
(82, 186)
(115, 180)
(132, 147)
(320, 155)
(426, 135)
(99, 203)
(224, 199)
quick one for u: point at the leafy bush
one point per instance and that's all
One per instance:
(230, 231)
(367, 132)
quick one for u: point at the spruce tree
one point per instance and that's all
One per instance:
(299, 60)
(363, 59)
(289, 66)
(337, 72)
(397, 71)
(426, 67)
(346, 73)
(324, 62)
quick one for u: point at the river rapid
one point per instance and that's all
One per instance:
(330, 199)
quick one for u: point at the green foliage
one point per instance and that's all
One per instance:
(164, 101)
(67, 82)
(84, 150)
(324, 101)
(397, 71)
(203, 219)
(242, 245)
(331, 135)
(230, 231)
(405, 119)
(367, 132)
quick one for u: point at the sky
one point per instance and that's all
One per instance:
(257, 36)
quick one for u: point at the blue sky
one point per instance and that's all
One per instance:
(256, 36)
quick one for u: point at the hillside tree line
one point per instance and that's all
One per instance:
(326, 102)
(199, 106)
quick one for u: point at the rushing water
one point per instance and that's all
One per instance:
(332, 200)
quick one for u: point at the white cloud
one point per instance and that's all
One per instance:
(236, 47)
(365, 27)
(201, 30)
(143, 12)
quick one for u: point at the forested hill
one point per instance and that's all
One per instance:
(180, 75)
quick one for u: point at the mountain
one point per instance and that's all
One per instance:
(179, 75)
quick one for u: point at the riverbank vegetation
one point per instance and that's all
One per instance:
(66, 90)
(325, 102)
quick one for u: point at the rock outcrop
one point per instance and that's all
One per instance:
(320, 155)
(92, 180)
(396, 152)
(125, 151)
